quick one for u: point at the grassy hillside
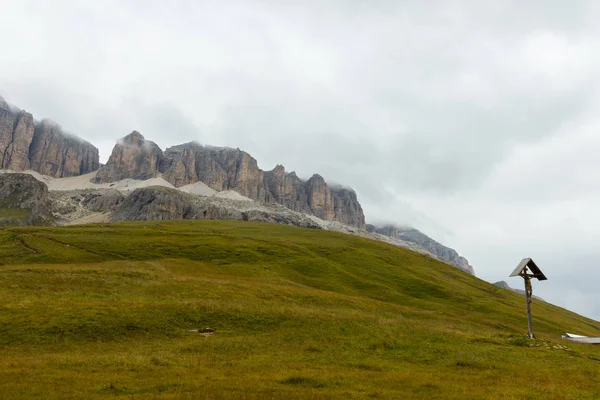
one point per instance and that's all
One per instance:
(106, 311)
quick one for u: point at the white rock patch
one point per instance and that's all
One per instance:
(232, 195)
(198, 188)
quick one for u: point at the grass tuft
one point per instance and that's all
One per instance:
(303, 381)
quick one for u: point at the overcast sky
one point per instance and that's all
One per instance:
(475, 121)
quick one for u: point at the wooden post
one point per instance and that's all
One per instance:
(523, 270)
(528, 293)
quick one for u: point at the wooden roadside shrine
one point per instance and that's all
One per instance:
(528, 269)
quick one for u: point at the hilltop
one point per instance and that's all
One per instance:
(118, 310)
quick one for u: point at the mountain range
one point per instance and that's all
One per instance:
(42, 147)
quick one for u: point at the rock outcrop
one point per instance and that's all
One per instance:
(132, 157)
(503, 285)
(411, 235)
(23, 200)
(314, 197)
(159, 203)
(42, 147)
(16, 134)
(220, 168)
(102, 201)
(223, 169)
(56, 154)
(346, 207)
(155, 203)
(319, 197)
(286, 189)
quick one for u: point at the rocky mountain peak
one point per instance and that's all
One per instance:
(134, 138)
(189, 145)
(279, 170)
(317, 179)
(132, 157)
(4, 105)
(503, 284)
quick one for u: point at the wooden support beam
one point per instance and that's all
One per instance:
(528, 294)
(527, 269)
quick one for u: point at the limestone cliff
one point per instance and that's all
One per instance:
(42, 147)
(346, 207)
(16, 135)
(223, 168)
(319, 198)
(220, 168)
(23, 200)
(314, 196)
(54, 153)
(286, 189)
(132, 157)
(45, 148)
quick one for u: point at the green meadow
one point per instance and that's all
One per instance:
(117, 311)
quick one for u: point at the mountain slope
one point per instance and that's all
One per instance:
(505, 285)
(438, 250)
(113, 310)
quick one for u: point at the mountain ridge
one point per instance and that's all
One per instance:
(43, 147)
(417, 237)
(223, 168)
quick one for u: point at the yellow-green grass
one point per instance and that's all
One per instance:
(106, 311)
(10, 216)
